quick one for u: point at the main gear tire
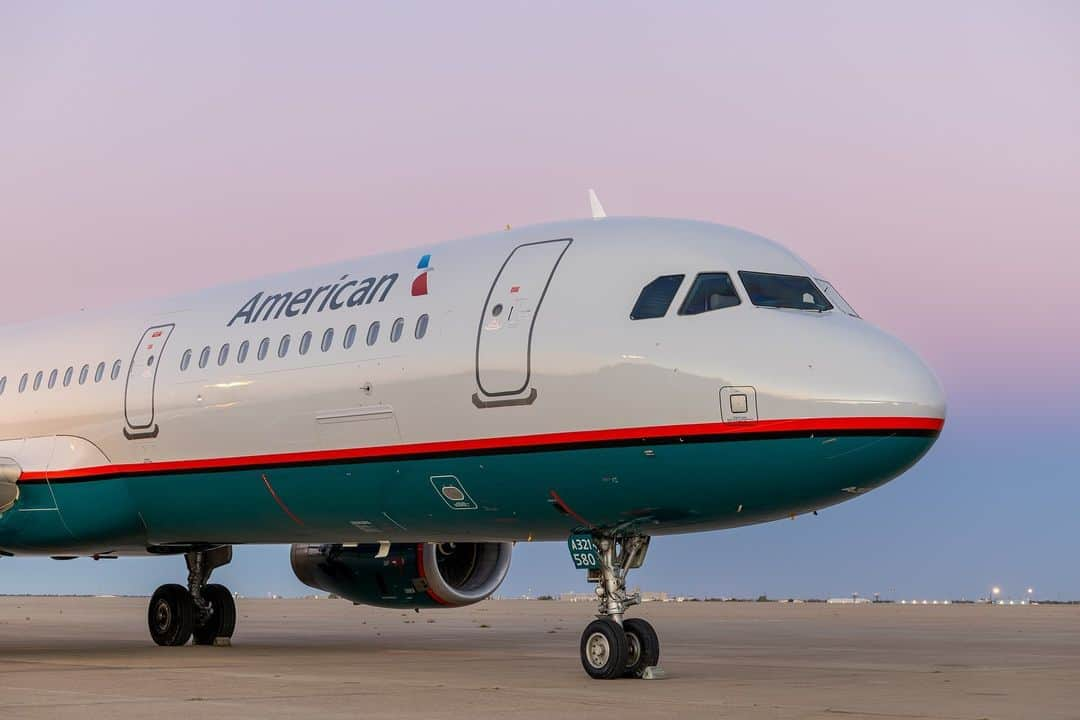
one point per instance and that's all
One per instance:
(221, 623)
(171, 615)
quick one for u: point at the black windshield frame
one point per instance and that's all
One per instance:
(776, 290)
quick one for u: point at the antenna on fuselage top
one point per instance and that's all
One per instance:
(595, 206)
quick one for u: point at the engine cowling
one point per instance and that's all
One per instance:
(412, 574)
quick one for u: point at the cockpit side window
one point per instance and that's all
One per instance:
(836, 298)
(710, 291)
(783, 291)
(656, 297)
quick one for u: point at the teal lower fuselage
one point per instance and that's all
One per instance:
(673, 485)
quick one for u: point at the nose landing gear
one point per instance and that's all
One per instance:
(612, 647)
(201, 611)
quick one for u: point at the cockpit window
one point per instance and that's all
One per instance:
(835, 298)
(710, 291)
(656, 297)
(783, 291)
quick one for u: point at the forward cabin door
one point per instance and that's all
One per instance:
(141, 380)
(504, 338)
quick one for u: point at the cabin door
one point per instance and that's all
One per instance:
(504, 338)
(141, 380)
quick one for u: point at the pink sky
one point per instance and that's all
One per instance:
(926, 156)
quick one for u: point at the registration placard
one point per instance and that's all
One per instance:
(583, 552)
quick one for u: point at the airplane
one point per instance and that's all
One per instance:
(402, 420)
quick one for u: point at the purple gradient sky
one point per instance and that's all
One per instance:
(925, 156)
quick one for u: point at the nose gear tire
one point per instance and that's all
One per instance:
(604, 649)
(643, 647)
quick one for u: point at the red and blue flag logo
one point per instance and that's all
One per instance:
(419, 283)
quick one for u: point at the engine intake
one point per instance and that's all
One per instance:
(423, 574)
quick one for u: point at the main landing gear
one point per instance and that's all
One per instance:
(612, 647)
(205, 613)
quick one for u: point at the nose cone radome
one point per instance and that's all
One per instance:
(898, 378)
(843, 367)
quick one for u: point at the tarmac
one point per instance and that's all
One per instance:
(92, 657)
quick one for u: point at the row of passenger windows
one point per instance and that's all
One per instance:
(716, 291)
(54, 378)
(326, 343)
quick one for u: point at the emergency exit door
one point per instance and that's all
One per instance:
(141, 381)
(504, 339)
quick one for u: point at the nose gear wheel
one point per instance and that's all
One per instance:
(603, 649)
(612, 647)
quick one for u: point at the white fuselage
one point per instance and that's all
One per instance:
(562, 356)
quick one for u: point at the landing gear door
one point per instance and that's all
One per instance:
(504, 338)
(141, 381)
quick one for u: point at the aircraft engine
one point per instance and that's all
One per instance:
(449, 574)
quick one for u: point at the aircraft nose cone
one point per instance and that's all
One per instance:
(934, 399)
(905, 381)
(853, 369)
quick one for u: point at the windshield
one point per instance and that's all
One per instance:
(783, 291)
(656, 297)
(836, 298)
(710, 291)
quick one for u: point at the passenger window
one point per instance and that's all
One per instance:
(305, 342)
(242, 352)
(223, 355)
(283, 346)
(83, 374)
(710, 291)
(22, 382)
(100, 371)
(3, 384)
(350, 336)
(68, 374)
(373, 333)
(115, 370)
(204, 357)
(185, 360)
(37, 379)
(656, 297)
(421, 326)
(264, 348)
(52, 378)
(327, 339)
(396, 329)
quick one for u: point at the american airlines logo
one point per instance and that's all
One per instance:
(290, 303)
(343, 293)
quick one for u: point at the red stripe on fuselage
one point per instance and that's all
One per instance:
(389, 452)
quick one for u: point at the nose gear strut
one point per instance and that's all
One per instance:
(618, 556)
(611, 645)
